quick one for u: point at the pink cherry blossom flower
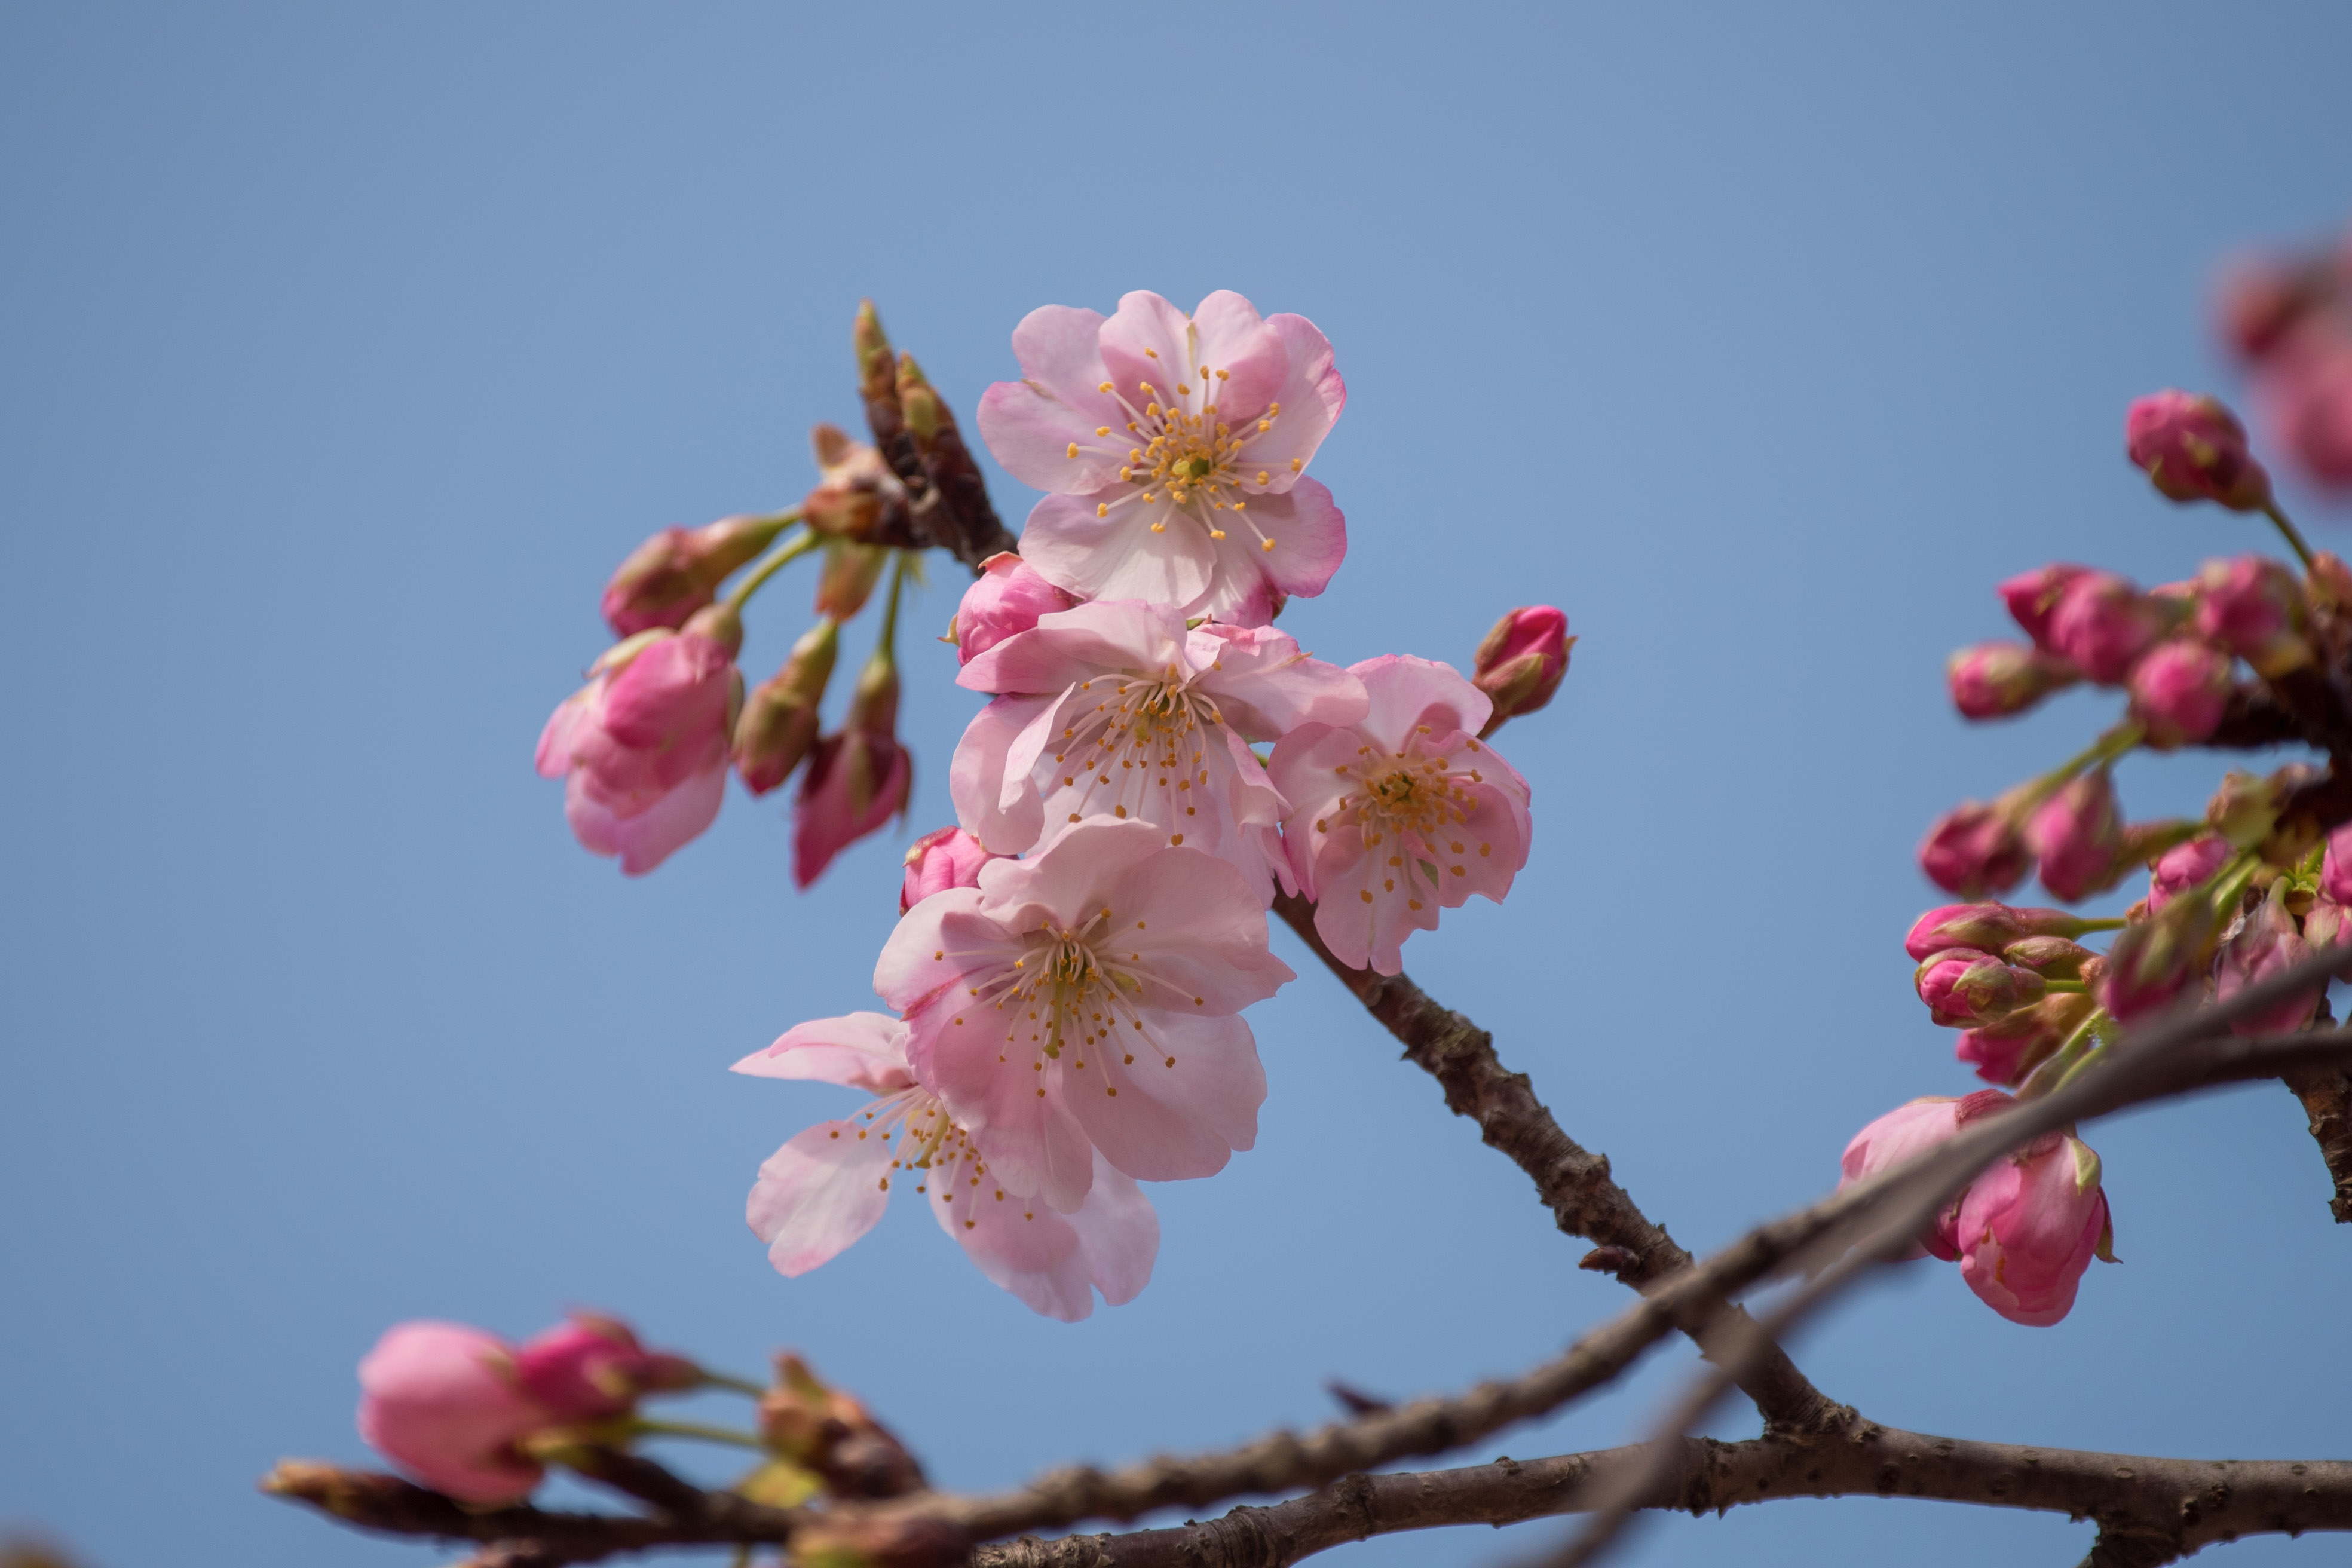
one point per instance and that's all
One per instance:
(1007, 598)
(443, 1401)
(592, 1368)
(1901, 1134)
(1171, 447)
(942, 858)
(2028, 1227)
(857, 780)
(1113, 708)
(1089, 996)
(1402, 814)
(828, 1185)
(643, 748)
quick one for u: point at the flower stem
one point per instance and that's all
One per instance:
(646, 1427)
(737, 1384)
(2105, 749)
(2067, 987)
(2293, 539)
(775, 560)
(2115, 922)
(2063, 1063)
(888, 647)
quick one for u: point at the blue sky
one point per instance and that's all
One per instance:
(348, 349)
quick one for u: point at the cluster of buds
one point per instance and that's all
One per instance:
(2025, 1230)
(2290, 321)
(2013, 979)
(829, 1433)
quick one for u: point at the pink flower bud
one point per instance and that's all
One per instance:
(2335, 866)
(2078, 835)
(1974, 850)
(2006, 1052)
(2183, 867)
(2028, 1227)
(857, 780)
(1901, 1134)
(1520, 663)
(2246, 810)
(2194, 449)
(2329, 924)
(2266, 943)
(1006, 600)
(1964, 988)
(2180, 691)
(2103, 625)
(780, 719)
(1995, 679)
(942, 858)
(2033, 597)
(2050, 957)
(678, 571)
(2254, 608)
(2263, 300)
(1990, 927)
(443, 1403)
(2152, 962)
(592, 1368)
(2304, 392)
(848, 579)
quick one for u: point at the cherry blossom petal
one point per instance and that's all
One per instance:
(863, 1050)
(1366, 909)
(554, 758)
(1311, 394)
(819, 1193)
(1266, 686)
(997, 810)
(1228, 335)
(1011, 1102)
(1147, 340)
(1309, 535)
(657, 831)
(1172, 1103)
(1405, 692)
(1068, 646)
(1054, 1262)
(1030, 425)
(1119, 1233)
(1120, 555)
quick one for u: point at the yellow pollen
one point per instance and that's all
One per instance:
(1266, 544)
(1073, 450)
(1102, 509)
(1294, 465)
(1102, 429)
(1151, 353)
(1105, 387)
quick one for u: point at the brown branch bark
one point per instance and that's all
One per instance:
(2142, 1506)
(1574, 1182)
(2327, 1094)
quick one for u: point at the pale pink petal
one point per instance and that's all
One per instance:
(1031, 424)
(1306, 768)
(1119, 556)
(657, 831)
(1145, 341)
(1172, 1102)
(1309, 536)
(1405, 691)
(1265, 686)
(1020, 1243)
(933, 947)
(819, 1193)
(1364, 908)
(554, 758)
(983, 1063)
(1017, 791)
(1067, 647)
(1202, 933)
(1227, 334)
(1089, 860)
(1119, 1233)
(978, 786)
(1311, 394)
(863, 1050)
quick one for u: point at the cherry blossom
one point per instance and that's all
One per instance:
(1402, 814)
(828, 1185)
(1172, 447)
(2029, 1226)
(1114, 708)
(1086, 998)
(443, 1401)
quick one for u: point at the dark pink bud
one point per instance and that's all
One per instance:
(2154, 962)
(1964, 988)
(2304, 392)
(942, 858)
(857, 780)
(2195, 450)
(1520, 663)
(2183, 867)
(678, 571)
(2033, 597)
(2103, 625)
(1005, 601)
(1995, 679)
(2254, 608)
(2335, 866)
(2078, 835)
(779, 721)
(1987, 926)
(2180, 691)
(2028, 1227)
(848, 576)
(2266, 943)
(2006, 1052)
(592, 1368)
(1974, 850)
(2263, 300)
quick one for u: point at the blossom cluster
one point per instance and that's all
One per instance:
(2242, 653)
(1153, 762)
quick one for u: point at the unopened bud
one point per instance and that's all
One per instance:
(1520, 663)
(2077, 834)
(2328, 582)
(857, 497)
(2103, 625)
(829, 1431)
(2180, 691)
(942, 858)
(780, 719)
(2194, 449)
(857, 780)
(850, 572)
(1975, 849)
(1005, 601)
(2329, 924)
(2247, 812)
(592, 1368)
(1995, 679)
(2050, 957)
(2033, 597)
(1987, 926)
(2152, 963)
(2254, 608)
(2004, 1053)
(2266, 945)
(2184, 867)
(678, 571)
(1964, 988)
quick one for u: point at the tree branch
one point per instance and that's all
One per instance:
(1574, 1182)
(2175, 1506)
(2326, 1092)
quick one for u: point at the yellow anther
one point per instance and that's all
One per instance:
(1216, 533)
(1105, 387)
(1102, 429)
(1262, 476)
(1102, 509)
(1182, 390)
(1073, 450)
(1265, 544)
(1223, 376)
(1151, 353)
(1240, 505)
(1263, 426)
(1151, 410)
(1158, 527)
(1296, 463)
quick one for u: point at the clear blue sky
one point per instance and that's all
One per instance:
(347, 350)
